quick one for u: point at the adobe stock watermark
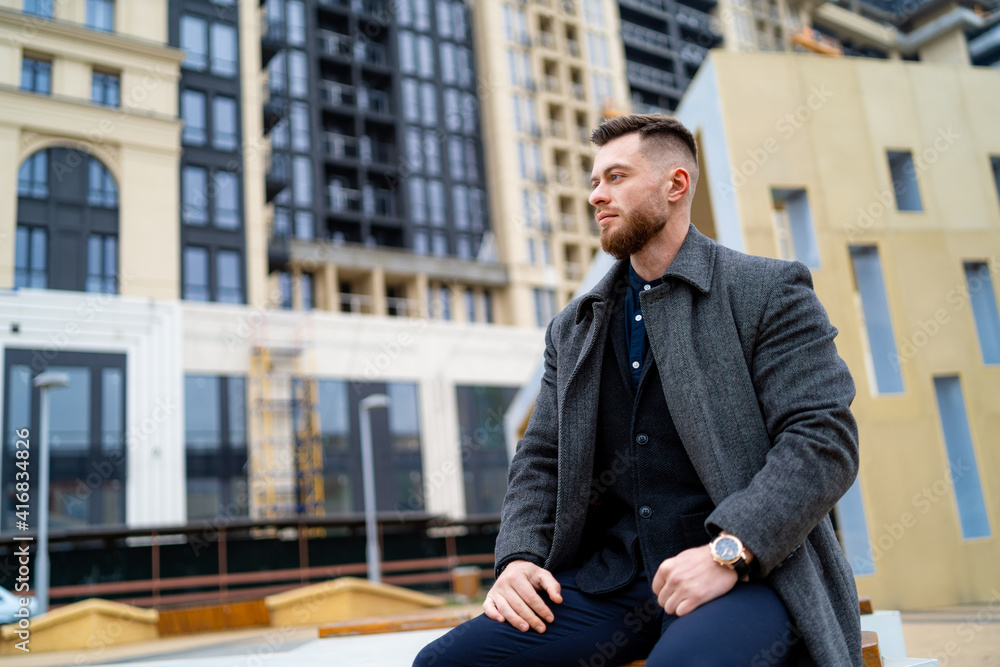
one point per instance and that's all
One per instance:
(957, 298)
(786, 126)
(881, 202)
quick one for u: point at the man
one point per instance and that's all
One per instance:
(672, 491)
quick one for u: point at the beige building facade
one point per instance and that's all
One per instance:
(882, 177)
(553, 69)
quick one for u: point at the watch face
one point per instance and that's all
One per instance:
(727, 549)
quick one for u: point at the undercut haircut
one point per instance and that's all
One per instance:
(661, 135)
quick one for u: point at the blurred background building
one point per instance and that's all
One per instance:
(229, 222)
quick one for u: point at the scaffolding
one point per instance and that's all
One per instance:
(286, 453)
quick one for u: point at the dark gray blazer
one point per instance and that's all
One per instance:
(761, 401)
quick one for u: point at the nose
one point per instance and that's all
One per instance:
(598, 195)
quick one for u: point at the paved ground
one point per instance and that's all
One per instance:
(965, 636)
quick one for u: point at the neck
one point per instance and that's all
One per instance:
(655, 257)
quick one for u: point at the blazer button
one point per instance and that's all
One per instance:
(642, 438)
(645, 512)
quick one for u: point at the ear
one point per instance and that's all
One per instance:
(678, 184)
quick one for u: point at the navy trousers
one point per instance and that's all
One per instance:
(747, 626)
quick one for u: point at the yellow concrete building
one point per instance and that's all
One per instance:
(552, 68)
(51, 72)
(884, 178)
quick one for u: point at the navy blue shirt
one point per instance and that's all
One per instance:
(635, 325)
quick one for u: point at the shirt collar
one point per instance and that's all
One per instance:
(637, 283)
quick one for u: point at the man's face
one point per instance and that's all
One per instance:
(629, 196)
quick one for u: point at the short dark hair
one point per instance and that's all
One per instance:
(659, 127)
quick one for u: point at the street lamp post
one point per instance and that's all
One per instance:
(368, 480)
(44, 382)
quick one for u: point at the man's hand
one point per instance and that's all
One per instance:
(514, 597)
(690, 579)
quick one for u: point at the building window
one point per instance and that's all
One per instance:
(102, 264)
(228, 277)
(984, 310)
(298, 75)
(488, 306)
(795, 232)
(306, 291)
(445, 296)
(194, 41)
(852, 529)
(193, 115)
(904, 181)
(216, 446)
(285, 291)
(196, 274)
(86, 426)
(106, 89)
(302, 179)
(41, 8)
(296, 23)
(223, 50)
(995, 165)
(101, 15)
(227, 210)
(418, 201)
(300, 127)
(33, 176)
(36, 75)
(963, 471)
(398, 465)
(483, 443)
(439, 244)
(224, 129)
(883, 362)
(31, 263)
(101, 190)
(194, 199)
(428, 104)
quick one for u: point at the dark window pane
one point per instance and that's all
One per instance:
(224, 131)
(102, 190)
(70, 411)
(333, 415)
(227, 213)
(202, 427)
(105, 89)
(223, 50)
(101, 15)
(230, 285)
(194, 41)
(194, 200)
(112, 409)
(237, 412)
(193, 114)
(195, 274)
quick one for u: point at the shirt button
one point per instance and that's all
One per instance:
(645, 287)
(645, 512)
(635, 364)
(638, 318)
(642, 438)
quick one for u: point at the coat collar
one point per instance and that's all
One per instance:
(694, 264)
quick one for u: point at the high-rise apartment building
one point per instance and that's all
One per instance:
(552, 70)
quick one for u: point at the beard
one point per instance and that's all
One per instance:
(631, 234)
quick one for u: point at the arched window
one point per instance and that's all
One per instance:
(67, 223)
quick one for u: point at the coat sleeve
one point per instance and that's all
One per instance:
(527, 519)
(804, 390)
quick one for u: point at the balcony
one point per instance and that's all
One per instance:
(371, 52)
(336, 45)
(340, 146)
(556, 129)
(583, 134)
(374, 151)
(574, 271)
(647, 76)
(547, 40)
(279, 175)
(374, 101)
(272, 40)
(552, 83)
(574, 47)
(693, 54)
(563, 176)
(337, 94)
(568, 223)
(378, 202)
(341, 199)
(400, 307)
(359, 304)
(276, 107)
(585, 178)
(645, 37)
(699, 21)
(578, 92)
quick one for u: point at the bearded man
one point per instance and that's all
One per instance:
(670, 498)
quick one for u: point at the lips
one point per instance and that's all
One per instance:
(604, 216)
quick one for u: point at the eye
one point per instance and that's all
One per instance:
(615, 177)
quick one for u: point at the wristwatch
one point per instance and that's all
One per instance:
(728, 551)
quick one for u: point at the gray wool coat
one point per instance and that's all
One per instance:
(761, 401)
